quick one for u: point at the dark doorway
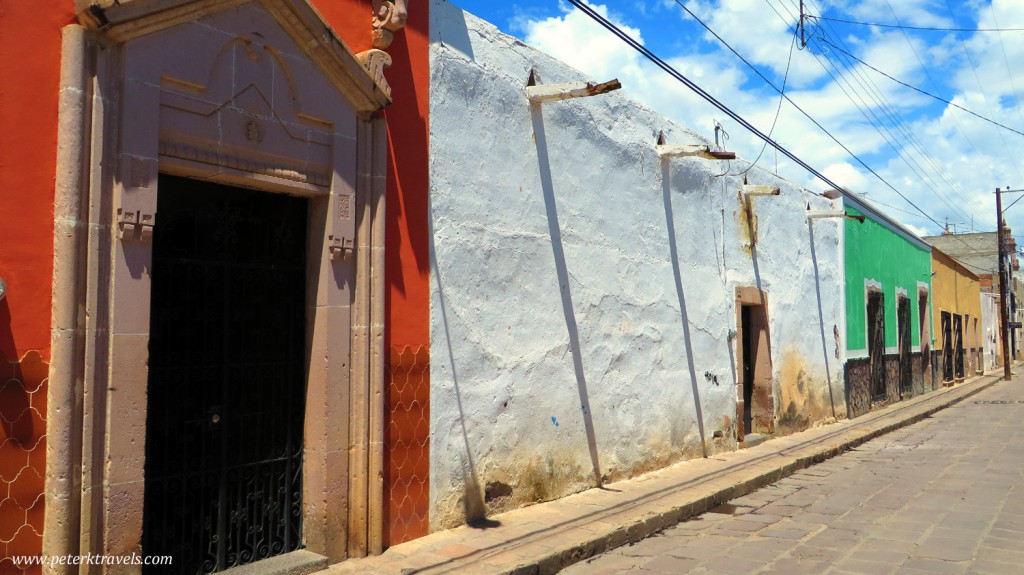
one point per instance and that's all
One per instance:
(758, 400)
(876, 343)
(925, 336)
(958, 346)
(947, 346)
(223, 473)
(903, 337)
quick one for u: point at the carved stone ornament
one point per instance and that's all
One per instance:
(388, 18)
(375, 61)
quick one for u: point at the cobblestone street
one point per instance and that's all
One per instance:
(943, 496)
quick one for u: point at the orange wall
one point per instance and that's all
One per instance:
(30, 76)
(29, 81)
(407, 267)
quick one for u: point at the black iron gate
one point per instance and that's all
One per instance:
(958, 345)
(223, 479)
(906, 363)
(876, 343)
(947, 346)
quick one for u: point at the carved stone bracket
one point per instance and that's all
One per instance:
(375, 61)
(388, 18)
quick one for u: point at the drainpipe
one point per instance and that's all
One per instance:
(63, 411)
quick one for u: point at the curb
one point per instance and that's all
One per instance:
(652, 523)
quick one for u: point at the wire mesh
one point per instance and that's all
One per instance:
(407, 486)
(22, 460)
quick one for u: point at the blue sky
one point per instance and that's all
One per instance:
(942, 159)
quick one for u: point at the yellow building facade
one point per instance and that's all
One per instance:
(957, 329)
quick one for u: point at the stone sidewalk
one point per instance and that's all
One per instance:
(547, 537)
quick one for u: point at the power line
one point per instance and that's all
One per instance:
(778, 109)
(1009, 70)
(934, 85)
(925, 28)
(645, 52)
(651, 56)
(629, 40)
(903, 154)
(981, 90)
(913, 143)
(919, 90)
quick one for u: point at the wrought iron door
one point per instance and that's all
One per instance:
(223, 479)
(906, 366)
(876, 343)
(947, 346)
(958, 346)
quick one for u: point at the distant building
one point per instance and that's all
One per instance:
(957, 341)
(979, 252)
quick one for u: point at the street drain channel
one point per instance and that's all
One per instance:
(1000, 402)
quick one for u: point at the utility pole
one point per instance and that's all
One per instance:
(1002, 287)
(803, 40)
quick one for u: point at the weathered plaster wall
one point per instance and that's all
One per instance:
(557, 239)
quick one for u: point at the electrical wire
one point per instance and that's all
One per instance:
(1009, 70)
(919, 90)
(778, 109)
(651, 56)
(923, 151)
(928, 75)
(644, 51)
(924, 28)
(981, 90)
(912, 142)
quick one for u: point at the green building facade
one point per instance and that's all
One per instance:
(888, 309)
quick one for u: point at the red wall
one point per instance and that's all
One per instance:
(29, 76)
(407, 325)
(408, 267)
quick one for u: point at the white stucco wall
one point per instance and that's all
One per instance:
(990, 330)
(506, 381)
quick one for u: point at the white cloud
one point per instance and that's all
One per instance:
(955, 159)
(921, 232)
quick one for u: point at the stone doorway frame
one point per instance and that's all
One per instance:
(751, 296)
(111, 147)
